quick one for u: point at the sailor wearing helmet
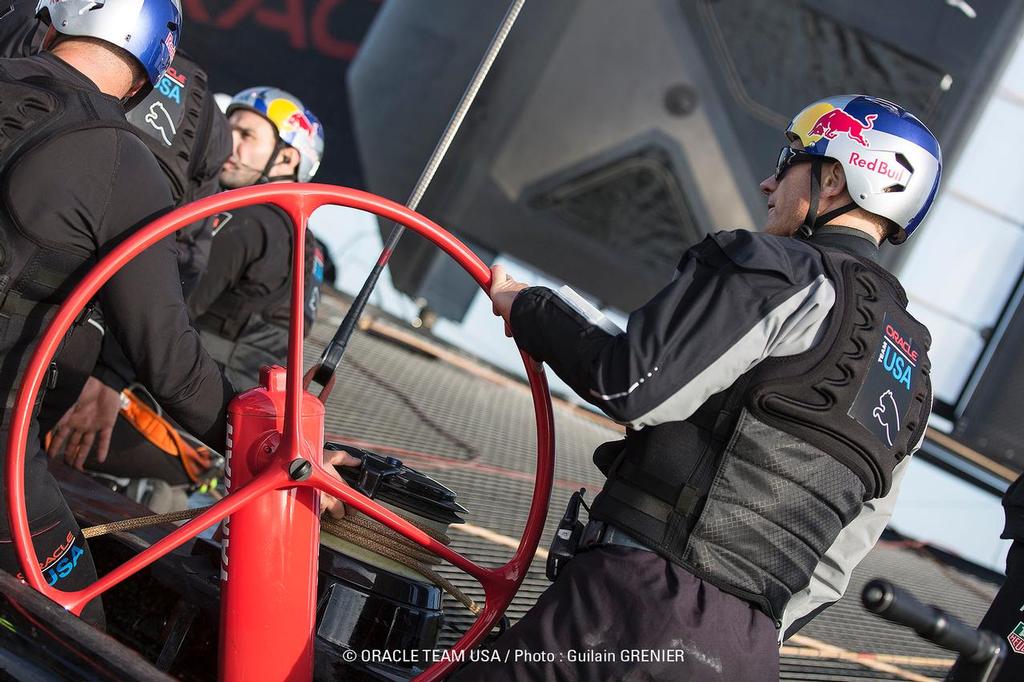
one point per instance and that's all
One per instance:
(773, 394)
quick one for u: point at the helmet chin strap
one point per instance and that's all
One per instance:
(812, 221)
(265, 176)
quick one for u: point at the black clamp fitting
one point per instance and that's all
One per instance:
(566, 541)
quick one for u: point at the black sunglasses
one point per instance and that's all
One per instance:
(787, 157)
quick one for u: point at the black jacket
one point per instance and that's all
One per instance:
(738, 299)
(84, 192)
(202, 143)
(1013, 506)
(249, 267)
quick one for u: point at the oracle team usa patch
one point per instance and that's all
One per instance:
(884, 398)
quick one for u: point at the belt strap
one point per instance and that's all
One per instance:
(638, 499)
(597, 533)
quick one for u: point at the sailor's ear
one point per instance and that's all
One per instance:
(289, 156)
(833, 179)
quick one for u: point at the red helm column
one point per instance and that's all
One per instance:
(253, 562)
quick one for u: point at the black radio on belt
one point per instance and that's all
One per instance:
(567, 536)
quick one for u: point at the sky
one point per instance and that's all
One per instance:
(980, 191)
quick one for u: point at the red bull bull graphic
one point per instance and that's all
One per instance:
(837, 121)
(299, 121)
(289, 118)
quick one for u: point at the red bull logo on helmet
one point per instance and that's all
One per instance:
(169, 44)
(836, 122)
(299, 121)
(290, 119)
(890, 169)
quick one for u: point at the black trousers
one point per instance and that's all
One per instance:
(259, 343)
(1005, 617)
(61, 549)
(617, 613)
(132, 456)
(75, 363)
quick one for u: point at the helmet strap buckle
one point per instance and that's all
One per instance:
(834, 213)
(271, 162)
(810, 220)
(813, 221)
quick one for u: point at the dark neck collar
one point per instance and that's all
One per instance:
(854, 242)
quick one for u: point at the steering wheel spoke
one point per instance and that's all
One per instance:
(270, 479)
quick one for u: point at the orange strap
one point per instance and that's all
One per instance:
(162, 434)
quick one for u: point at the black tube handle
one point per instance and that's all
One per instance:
(899, 606)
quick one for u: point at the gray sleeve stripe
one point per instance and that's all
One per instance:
(791, 328)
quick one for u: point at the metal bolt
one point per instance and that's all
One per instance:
(393, 462)
(300, 469)
(681, 100)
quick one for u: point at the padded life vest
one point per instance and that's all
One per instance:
(752, 489)
(242, 332)
(235, 310)
(35, 278)
(176, 119)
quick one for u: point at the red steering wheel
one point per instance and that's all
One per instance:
(298, 201)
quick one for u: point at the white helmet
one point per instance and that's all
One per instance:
(148, 30)
(296, 125)
(892, 161)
